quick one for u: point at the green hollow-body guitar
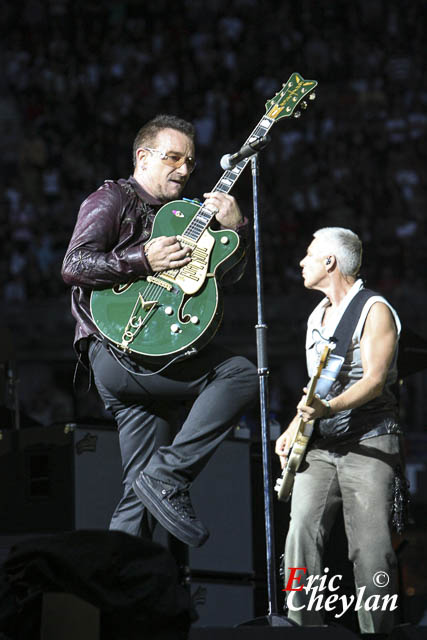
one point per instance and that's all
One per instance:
(178, 311)
(169, 312)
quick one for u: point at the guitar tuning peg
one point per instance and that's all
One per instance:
(297, 114)
(312, 96)
(304, 105)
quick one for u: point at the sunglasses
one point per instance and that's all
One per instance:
(175, 160)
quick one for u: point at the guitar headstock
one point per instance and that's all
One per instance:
(293, 93)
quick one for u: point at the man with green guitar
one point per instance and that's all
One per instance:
(144, 280)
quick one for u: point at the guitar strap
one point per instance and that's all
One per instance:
(350, 318)
(342, 336)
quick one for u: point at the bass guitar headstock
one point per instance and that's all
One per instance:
(294, 93)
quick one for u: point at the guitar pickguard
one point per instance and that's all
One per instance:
(191, 277)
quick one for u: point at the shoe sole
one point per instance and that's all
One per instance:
(150, 500)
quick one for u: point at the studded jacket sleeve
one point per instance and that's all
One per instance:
(107, 244)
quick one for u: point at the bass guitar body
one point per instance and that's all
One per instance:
(298, 448)
(285, 483)
(172, 311)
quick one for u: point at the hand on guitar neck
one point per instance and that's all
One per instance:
(179, 307)
(227, 210)
(311, 410)
(166, 252)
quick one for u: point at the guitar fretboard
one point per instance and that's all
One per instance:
(203, 216)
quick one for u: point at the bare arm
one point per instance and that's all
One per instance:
(377, 348)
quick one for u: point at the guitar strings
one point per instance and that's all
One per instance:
(195, 229)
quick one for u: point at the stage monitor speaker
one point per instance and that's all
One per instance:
(222, 499)
(58, 478)
(68, 476)
(221, 496)
(220, 572)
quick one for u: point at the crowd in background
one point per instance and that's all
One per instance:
(79, 79)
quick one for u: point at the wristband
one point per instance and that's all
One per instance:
(328, 408)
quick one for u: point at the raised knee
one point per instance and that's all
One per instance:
(245, 369)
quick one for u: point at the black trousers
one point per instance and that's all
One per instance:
(219, 384)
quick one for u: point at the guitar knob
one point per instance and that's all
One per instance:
(297, 114)
(194, 319)
(175, 328)
(168, 311)
(224, 240)
(312, 96)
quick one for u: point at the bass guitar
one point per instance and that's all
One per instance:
(171, 311)
(298, 447)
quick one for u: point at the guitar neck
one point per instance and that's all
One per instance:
(310, 393)
(311, 389)
(204, 216)
(229, 177)
(282, 105)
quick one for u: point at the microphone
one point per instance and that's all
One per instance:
(230, 160)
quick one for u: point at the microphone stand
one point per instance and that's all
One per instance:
(272, 618)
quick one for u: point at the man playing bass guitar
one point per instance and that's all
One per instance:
(111, 248)
(352, 461)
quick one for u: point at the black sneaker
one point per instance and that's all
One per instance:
(172, 508)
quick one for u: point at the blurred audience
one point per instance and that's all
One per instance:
(79, 78)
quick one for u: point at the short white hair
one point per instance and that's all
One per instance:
(345, 245)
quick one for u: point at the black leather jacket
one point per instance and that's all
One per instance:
(107, 246)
